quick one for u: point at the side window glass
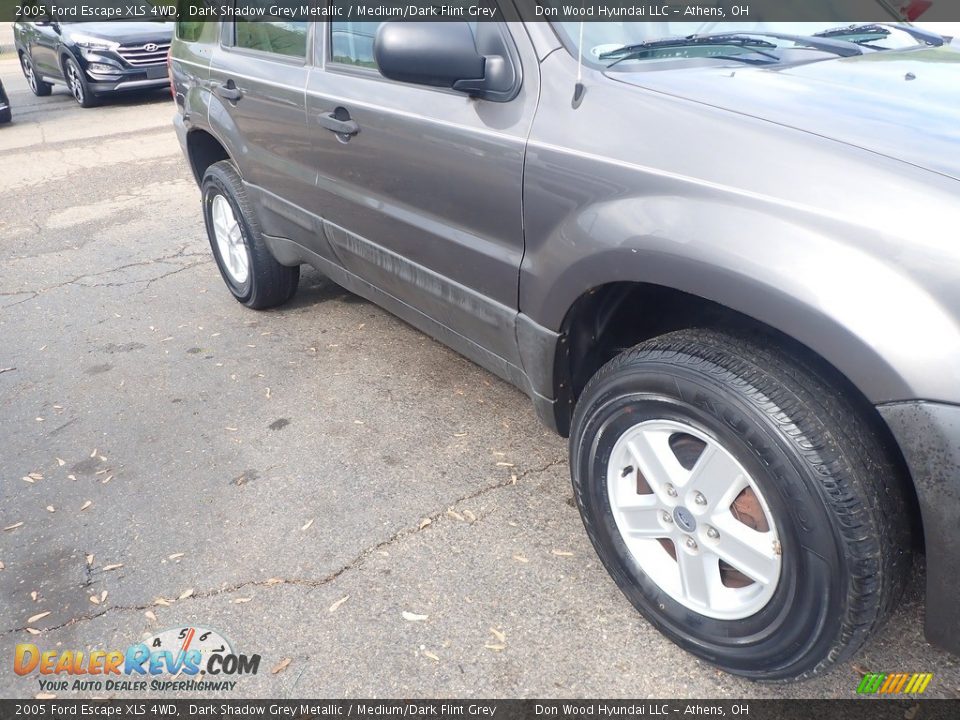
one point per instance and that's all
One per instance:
(278, 37)
(351, 43)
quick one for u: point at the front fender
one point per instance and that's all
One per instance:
(847, 299)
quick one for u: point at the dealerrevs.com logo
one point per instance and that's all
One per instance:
(178, 659)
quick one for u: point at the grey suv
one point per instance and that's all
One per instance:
(724, 264)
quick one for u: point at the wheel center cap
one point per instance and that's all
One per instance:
(684, 519)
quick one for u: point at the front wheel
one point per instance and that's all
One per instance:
(740, 502)
(77, 84)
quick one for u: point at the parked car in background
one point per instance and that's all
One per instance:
(5, 113)
(93, 59)
(721, 259)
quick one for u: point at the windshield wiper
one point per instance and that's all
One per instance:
(748, 41)
(657, 48)
(871, 32)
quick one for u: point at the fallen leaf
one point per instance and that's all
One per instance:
(108, 568)
(103, 596)
(268, 393)
(430, 655)
(425, 522)
(505, 464)
(94, 453)
(60, 462)
(14, 526)
(71, 477)
(521, 558)
(238, 601)
(454, 514)
(185, 594)
(307, 525)
(281, 666)
(161, 601)
(459, 434)
(95, 600)
(38, 616)
(87, 504)
(502, 637)
(496, 648)
(107, 479)
(34, 595)
(2, 566)
(470, 516)
(51, 508)
(414, 617)
(35, 476)
(274, 581)
(150, 616)
(27, 479)
(562, 553)
(175, 556)
(90, 560)
(33, 631)
(338, 603)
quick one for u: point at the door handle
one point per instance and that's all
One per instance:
(228, 91)
(344, 126)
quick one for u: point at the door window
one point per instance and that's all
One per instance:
(280, 37)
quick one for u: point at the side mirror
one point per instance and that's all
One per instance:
(445, 54)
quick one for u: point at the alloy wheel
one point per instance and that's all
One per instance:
(230, 242)
(694, 521)
(74, 81)
(28, 72)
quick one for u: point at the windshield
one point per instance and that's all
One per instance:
(600, 39)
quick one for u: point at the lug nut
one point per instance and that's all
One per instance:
(691, 543)
(671, 491)
(712, 533)
(699, 499)
(667, 517)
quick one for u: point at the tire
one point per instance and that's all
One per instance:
(824, 521)
(37, 86)
(266, 283)
(5, 116)
(77, 83)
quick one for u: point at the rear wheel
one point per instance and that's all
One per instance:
(248, 268)
(37, 86)
(740, 502)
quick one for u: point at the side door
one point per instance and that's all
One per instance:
(44, 42)
(257, 81)
(424, 201)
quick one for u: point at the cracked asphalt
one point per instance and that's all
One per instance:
(296, 479)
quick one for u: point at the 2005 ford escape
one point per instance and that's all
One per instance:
(723, 262)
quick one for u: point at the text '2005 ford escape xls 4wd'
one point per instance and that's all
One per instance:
(723, 263)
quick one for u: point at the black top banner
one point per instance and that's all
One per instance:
(484, 709)
(840, 11)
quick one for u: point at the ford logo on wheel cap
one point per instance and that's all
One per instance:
(151, 47)
(685, 519)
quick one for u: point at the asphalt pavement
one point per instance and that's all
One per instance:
(322, 484)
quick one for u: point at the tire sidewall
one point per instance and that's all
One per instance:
(805, 612)
(215, 184)
(88, 98)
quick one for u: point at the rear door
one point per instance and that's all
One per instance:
(258, 75)
(425, 200)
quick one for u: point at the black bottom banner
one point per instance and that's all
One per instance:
(865, 709)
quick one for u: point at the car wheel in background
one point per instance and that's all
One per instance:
(254, 277)
(5, 116)
(77, 83)
(37, 86)
(741, 502)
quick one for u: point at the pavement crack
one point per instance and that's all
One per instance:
(356, 562)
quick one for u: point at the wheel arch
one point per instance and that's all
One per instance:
(203, 150)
